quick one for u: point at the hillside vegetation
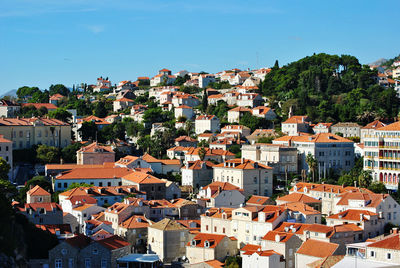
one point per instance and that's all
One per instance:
(329, 88)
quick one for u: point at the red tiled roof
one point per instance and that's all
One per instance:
(257, 200)
(49, 106)
(31, 121)
(392, 242)
(242, 164)
(142, 178)
(96, 148)
(353, 215)
(95, 173)
(317, 248)
(37, 190)
(113, 242)
(79, 241)
(201, 238)
(298, 197)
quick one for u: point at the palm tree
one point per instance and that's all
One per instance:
(312, 164)
(364, 179)
(202, 153)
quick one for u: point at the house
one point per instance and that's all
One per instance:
(186, 141)
(371, 223)
(283, 243)
(164, 76)
(347, 129)
(261, 133)
(251, 82)
(264, 112)
(184, 111)
(167, 239)
(102, 85)
(218, 194)
(205, 247)
(95, 154)
(322, 128)
(300, 212)
(235, 114)
(122, 104)
(327, 193)
(197, 174)
(9, 108)
(205, 79)
(38, 195)
(82, 251)
(299, 197)
(385, 250)
(125, 85)
(225, 144)
(133, 162)
(215, 98)
(6, 154)
(99, 122)
(96, 176)
(205, 123)
(54, 99)
(313, 250)
(217, 155)
(262, 258)
(26, 132)
(178, 152)
(283, 159)
(152, 186)
(162, 166)
(134, 230)
(41, 213)
(242, 130)
(329, 150)
(252, 177)
(172, 190)
(295, 124)
(369, 130)
(83, 212)
(206, 137)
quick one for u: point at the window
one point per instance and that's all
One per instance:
(100, 184)
(103, 263)
(389, 256)
(290, 252)
(206, 227)
(372, 253)
(255, 180)
(58, 263)
(65, 185)
(215, 228)
(87, 263)
(223, 230)
(64, 251)
(70, 263)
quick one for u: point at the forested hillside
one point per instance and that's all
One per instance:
(329, 88)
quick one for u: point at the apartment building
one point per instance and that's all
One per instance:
(382, 155)
(220, 194)
(295, 124)
(347, 129)
(331, 151)
(25, 132)
(369, 130)
(8, 108)
(254, 178)
(197, 174)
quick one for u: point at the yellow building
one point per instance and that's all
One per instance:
(25, 132)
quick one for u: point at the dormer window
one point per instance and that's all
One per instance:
(206, 244)
(193, 243)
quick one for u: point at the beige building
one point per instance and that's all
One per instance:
(95, 154)
(25, 132)
(167, 239)
(254, 178)
(6, 154)
(8, 108)
(38, 195)
(205, 247)
(347, 129)
(134, 230)
(281, 157)
(262, 259)
(385, 250)
(295, 124)
(369, 130)
(122, 104)
(314, 250)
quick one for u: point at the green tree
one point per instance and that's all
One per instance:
(48, 154)
(26, 91)
(88, 130)
(42, 181)
(346, 180)
(77, 185)
(204, 101)
(4, 169)
(61, 114)
(60, 89)
(378, 188)
(68, 153)
(312, 164)
(202, 153)
(100, 109)
(364, 179)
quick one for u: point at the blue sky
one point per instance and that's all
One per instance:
(44, 42)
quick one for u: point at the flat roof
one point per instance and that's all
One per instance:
(148, 258)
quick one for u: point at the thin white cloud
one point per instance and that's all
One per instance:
(95, 28)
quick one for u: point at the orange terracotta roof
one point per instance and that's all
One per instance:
(297, 119)
(374, 125)
(185, 138)
(2, 139)
(251, 247)
(222, 186)
(210, 152)
(240, 109)
(31, 121)
(273, 235)
(301, 207)
(258, 200)
(215, 264)
(126, 160)
(56, 96)
(371, 199)
(201, 238)
(353, 215)
(79, 241)
(37, 190)
(242, 164)
(113, 242)
(136, 221)
(317, 248)
(142, 178)
(327, 188)
(95, 173)
(316, 138)
(96, 148)
(198, 164)
(392, 242)
(391, 127)
(83, 207)
(205, 117)
(49, 106)
(298, 197)
(265, 253)
(124, 100)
